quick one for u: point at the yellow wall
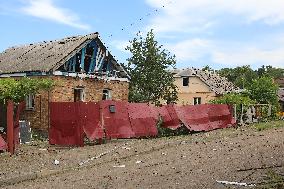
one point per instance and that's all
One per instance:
(196, 88)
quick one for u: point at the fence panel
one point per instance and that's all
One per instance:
(220, 116)
(115, 119)
(3, 144)
(118, 119)
(169, 117)
(65, 124)
(143, 120)
(90, 120)
(195, 118)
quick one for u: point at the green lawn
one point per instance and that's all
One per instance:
(267, 125)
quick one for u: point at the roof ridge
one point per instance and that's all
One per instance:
(90, 35)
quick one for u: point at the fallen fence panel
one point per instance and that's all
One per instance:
(169, 117)
(119, 119)
(220, 116)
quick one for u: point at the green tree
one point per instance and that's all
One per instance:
(207, 68)
(234, 99)
(270, 71)
(264, 91)
(148, 68)
(241, 76)
(239, 101)
(17, 90)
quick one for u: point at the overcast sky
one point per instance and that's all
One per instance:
(218, 33)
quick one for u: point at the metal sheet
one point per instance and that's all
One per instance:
(65, 124)
(205, 117)
(220, 116)
(90, 120)
(25, 132)
(171, 121)
(116, 124)
(143, 120)
(195, 118)
(3, 144)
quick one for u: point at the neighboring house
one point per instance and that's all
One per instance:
(199, 87)
(81, 66)
(280, 82)
(281, 98)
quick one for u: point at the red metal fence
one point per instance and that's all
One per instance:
(10, 123)
(71, 121)
(3, 145)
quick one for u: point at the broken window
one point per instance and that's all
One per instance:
(196, 100)
(105, 65)
(106, 94)
(78, 62)
(79, 94)
(30, 102)
(185, 81)
(88, 58)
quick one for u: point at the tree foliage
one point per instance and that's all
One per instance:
(270, 71)
(238, 101)
(148, 68)
(234, 99)
(240, 76)
(17, 90)
(263, 90)
(243, 76)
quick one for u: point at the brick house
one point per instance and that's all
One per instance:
(81, 66)
(199, 87)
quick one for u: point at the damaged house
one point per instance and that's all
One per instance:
(280, 83)
(81, 66)
(196, 86)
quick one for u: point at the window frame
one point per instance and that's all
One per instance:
(196, 100)
(185, 84)
(30, 102)
(107, 94)
(82, 94)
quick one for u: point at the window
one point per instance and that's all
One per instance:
(185, 81)
(30, 102)
(196, 100)
(79, 94)
(106, 94)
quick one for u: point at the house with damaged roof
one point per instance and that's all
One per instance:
(280, 83)
(81, 66)
(196, 86)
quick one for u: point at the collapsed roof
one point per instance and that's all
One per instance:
(219, 85)
(281, 94)
(49, 56)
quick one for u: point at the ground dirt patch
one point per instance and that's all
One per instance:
(190, 161)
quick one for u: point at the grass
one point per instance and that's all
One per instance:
(273, 180)
(268, 125)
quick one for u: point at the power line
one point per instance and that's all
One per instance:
(140, 20)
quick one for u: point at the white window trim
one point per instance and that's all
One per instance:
(198, 100)
(107, 93)
(30, 102)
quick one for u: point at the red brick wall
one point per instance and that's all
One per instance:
(64, 92)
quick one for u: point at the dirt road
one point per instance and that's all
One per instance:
(192, 161)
